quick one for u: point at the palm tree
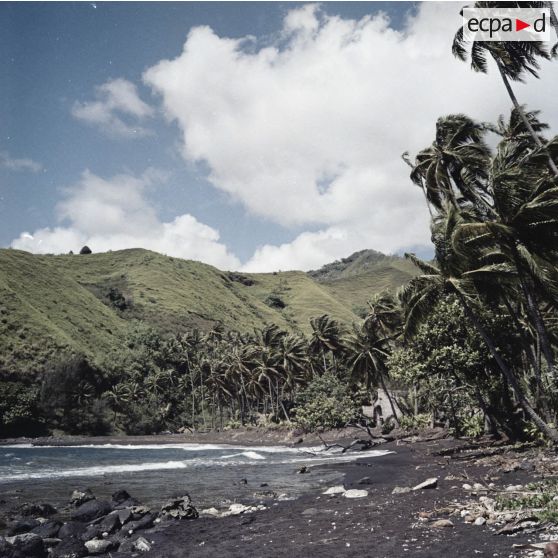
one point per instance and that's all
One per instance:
(513, 59)
(455, 166)
(326, 338)
(456, 273)
(526, 225)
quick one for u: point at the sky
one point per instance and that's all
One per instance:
(254, 136)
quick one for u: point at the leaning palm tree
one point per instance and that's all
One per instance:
(526, 225)
(455, 166)
(460, 275)
(513, 59)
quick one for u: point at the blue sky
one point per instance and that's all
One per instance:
(104, 142)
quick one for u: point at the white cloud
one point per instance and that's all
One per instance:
(309, 130)
(112, 214)
(117, 110)
(13, 164)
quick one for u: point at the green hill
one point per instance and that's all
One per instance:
(353, 280)
(86, 303)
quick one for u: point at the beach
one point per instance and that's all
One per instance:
(302, 520)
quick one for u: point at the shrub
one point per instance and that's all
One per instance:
(325, 403)
(85, 250)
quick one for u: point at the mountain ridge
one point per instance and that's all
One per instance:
(87, 303)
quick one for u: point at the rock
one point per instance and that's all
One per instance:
(180, 508)
(467, 487)
(90, 510)
(69, 548)
(428, 483)
(479, 486)
(124, 515)
(48, 542)
(468, 519)
(480, 520)
(334, 490)
(19, 526)
(514, 488)
(79, 497)
(121, 499)
(92, 532)
(210, 511)
(111, 522)
(72, 529)
(401, 490)
(143, 523)
(551, 550)
(303, 469)
(6, 549)
(237, 509)
(47, 530)
(98, 546)
(354, 493)
(141, 544)
(441, 523)
(37, 510)
(139, 511)
(365, 480)
(28, 544)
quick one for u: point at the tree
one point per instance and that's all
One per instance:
(513, 59)
(458, 275)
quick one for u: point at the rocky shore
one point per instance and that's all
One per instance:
(433, 498)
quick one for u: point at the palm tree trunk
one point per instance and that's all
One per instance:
(523, 117)
(508, 374)
(383, 384)
(536, 317)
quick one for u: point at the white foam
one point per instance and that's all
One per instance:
(97, 471)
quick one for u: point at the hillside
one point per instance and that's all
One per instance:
(86, 303)
(353, 280)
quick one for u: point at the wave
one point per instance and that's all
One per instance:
(97, 471)
(248, 454)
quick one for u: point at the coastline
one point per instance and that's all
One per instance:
(383, 523)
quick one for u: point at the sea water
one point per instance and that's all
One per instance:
(212, 474)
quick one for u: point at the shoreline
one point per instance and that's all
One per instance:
(254, 436)
(388, 524)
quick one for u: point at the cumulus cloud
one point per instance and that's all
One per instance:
(308, 130)
(114, 213)
(117, 110)
(13, 164)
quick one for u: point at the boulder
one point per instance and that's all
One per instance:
(110, 522)
(79, 497)
(180, 508)
(141, 544)
(69, 548)
(92, 532)
(90, 510)
(47, 530)
(98, 546)
(143, 523)
(37, 510)
(121, 499)
(72, 529)
(28, 544)
(19, 526)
